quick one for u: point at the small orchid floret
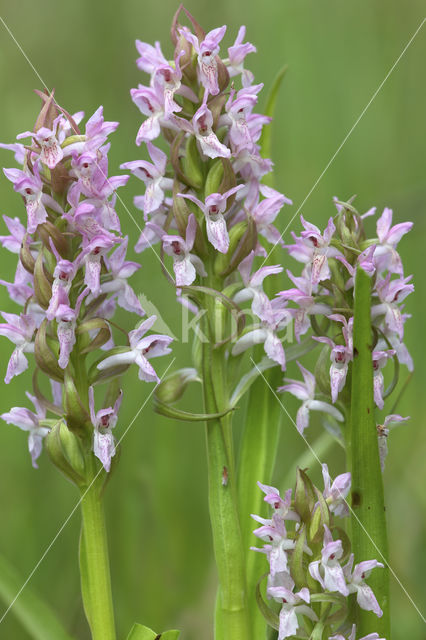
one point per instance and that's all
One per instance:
(120, 270)
(17, 230)
(20, 331)
(236, 57)
(383, 433)
(213, 208)
(46, 139)
(253, 283)
(207, 51)
(141, 350)
(305, 391)
(152, 174)
(280, 505)
(335, 494)
(291, 605)
(328, 571)
(103, 422)
(29, 421)
(352, 636)
(186, 265)
(356, 583)
(380, 359)
(391, 293)
(385, 255)
(202, 128)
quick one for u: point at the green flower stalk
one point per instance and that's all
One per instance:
(70, 276)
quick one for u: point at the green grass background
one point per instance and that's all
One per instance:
(338, 54)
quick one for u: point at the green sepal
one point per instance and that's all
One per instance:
(45, 359)
(192, 164)
(297, 569)
(214, 178)
(304, 496)
(101, 338)
(175, 159)
(73, 140)
(65, 451)
(25, 254)
(77, 417)
(320, 518)
(48, 231)
(140, 632)
(42, 286)
(270, 616)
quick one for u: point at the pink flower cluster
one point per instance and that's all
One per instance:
(322, 566)
(204, 199)
(71, 273)
(325, 291)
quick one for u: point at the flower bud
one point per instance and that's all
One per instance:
(192, 164)
(26, 256)
(48, 112)
(46, 360)
(304, 496)
(320, 518)
(42, 283)
(66, 452)
(172, 388)
(78, 419)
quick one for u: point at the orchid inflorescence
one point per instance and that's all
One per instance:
(311, 567)
(71, 274)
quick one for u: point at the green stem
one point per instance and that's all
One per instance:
(369, 521)
(94, 563)
(257, 459)
(232, 617)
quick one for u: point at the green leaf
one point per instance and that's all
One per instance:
(34, 614)
(178, 414)
(266, 137)
(140, 632)
(369, 515)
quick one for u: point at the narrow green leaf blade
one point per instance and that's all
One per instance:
(140, 632)
(266, 137)
(35, 615)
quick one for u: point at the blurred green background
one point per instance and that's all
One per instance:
(338, 54)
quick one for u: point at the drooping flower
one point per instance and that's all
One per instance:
(20, 330)
(335, 495)
(141, 350)
(29, 421)
(207, 51)
(305, 391)
(356, 583)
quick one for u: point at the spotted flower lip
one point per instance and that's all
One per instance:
(207, 51)
(385, 255)
(213, 208)
(46, 140)
(103, 422)
(328, 571)
(356, 583)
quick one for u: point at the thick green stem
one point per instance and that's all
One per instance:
(94, 564)
(232, 616)
(369, 520)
